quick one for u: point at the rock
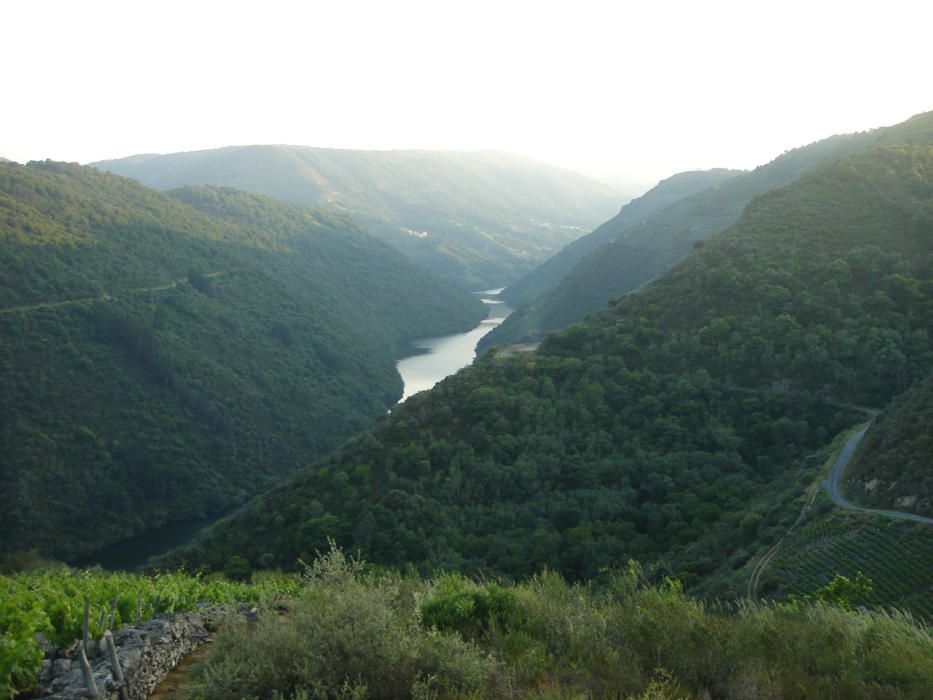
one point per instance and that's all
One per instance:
(147, 653)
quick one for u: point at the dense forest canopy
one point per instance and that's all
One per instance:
(671, 427)
(167, 356)
(480, 220)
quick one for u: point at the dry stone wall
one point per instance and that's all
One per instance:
(147, 653)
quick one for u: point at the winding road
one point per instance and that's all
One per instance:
(834, 481)
(833, 486)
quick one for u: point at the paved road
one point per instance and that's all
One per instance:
(833, 484)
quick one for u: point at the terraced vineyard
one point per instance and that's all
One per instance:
(896, 556)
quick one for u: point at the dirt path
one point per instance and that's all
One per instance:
(102, 297)
(177, 684)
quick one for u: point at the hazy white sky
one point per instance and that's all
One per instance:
(637, 90)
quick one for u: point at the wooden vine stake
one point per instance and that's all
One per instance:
(116, 669)
(113, 613)
(85, 637)
(86, 670)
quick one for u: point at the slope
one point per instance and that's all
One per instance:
(480, 219)
(669, 428)
(634, 255)
(658, 198)
(158, 363)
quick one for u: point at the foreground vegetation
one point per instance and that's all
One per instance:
(353, 634)
(347, 630)
(50, 602)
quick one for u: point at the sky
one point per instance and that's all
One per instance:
(625, 91)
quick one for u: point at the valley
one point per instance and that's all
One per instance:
(262, 365)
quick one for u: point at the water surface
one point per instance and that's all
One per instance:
(446, 355)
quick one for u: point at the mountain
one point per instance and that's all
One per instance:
(892, 467)
(679, 427)
(480, 220)
(658, 198)
(631, 254)
(163, 357)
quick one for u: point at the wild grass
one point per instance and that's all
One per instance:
(353, 634)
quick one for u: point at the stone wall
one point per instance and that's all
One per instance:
(147, 653)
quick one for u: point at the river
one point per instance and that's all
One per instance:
(444, 356)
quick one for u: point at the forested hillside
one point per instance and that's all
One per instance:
(658, 198)
(632, 253)
(893, 468)
(673, 428)
(159, 363)
(480, 220)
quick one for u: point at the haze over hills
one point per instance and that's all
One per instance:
(166, 356)
(659, 197)
(628, 251)
(478, 219)
(681, 426)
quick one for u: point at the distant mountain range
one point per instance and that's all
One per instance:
(165, 356)
(480, 220)
(651, 233)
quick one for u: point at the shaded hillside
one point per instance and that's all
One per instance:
(658, 198)
(158, 363)
(633, 255)
(668, 428)
(480, 220)
(894, 465)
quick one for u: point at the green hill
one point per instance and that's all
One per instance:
(630, 254)
(158, 362)
(480, 220)
(893, 468)
(670, 428)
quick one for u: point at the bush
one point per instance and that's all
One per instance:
(347, 635)
(470, 609)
